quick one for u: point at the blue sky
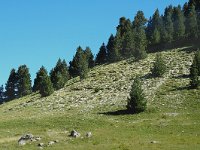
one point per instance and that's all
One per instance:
(38, 32)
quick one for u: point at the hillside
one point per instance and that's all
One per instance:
(97, 104)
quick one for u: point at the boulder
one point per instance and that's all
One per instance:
(89, 134)
(25, 138)
(75, 134)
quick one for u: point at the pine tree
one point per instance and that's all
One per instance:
(83, 68)
(1, 94)
(46, 85)
(194, 77)
(168, 25)
(59, 74)
(110, 49)
(178, 21)
(137, 102)
(101, 57)
(191, 23)
(38, 80)
(159, 67)
(11, 86)
(89, 57)
(24, 81)
(154, 28)
(75, 63)
(140, 35)
(128, 47)
(116, 55)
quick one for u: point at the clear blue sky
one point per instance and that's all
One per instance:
(38, 32)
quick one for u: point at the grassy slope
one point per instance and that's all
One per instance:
(97, 103)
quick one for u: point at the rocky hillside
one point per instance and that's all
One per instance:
(88, 103)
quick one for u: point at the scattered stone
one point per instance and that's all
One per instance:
(56, 141)
(75, 134)
(89, 134)
(25, 138)
(154, 142)
(40, 144)
(37, 138)
(51, 143)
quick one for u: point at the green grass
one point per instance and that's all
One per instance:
(172, 119)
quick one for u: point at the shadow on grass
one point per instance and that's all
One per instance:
(184, 76)
(181, 88)
(117, 113)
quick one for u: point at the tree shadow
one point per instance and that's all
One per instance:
(147, 76)
(184, 76)
(181, 88)
(117, 113)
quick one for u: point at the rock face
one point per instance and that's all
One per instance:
(89, 134)
(25, 138)
(75, 134)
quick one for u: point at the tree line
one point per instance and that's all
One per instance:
(177, 26)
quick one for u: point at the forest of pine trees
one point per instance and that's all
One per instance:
(178, 26)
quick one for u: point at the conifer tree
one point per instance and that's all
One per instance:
(178, 21)
(128, 46)
(154, 28)
(116, 55)
(140, 35)
(110, 49)
(59, 74)
(24, 81)
(168, 25)
(191, 23)
(159, 67)
(11, 86)
(101, 57)
(137, 102)
(1, 94)
(89, 57)
(38, 80)
(45, 84)
(83, 68)
(74, 65)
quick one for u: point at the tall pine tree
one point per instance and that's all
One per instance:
(137, 102)
(24, 81)
(140, 35)
(89, 57)
(101, 57)
(11, 86)
(59, 74)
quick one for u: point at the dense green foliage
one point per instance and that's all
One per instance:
(11, 86)
(59, 74)
(102, 55)
(79, 66)
(24, 81)
(46, 86)
(195, 71)
(137, 102)
(159, 66)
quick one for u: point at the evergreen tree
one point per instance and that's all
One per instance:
(154, 28)
(59, 74)
(11, 86)
(140, 35)
(117, 48)
(38, 80)
(137, 102)
(191, 23)
(1, 94)
(178, 21)
(89, 57)
(110, 49)
(24, 81)
(168, 25)
(195, 71)
(74, 65)
(128, 47)
(45, 84)
(83, 68)
(159, 67)
(101, 57)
